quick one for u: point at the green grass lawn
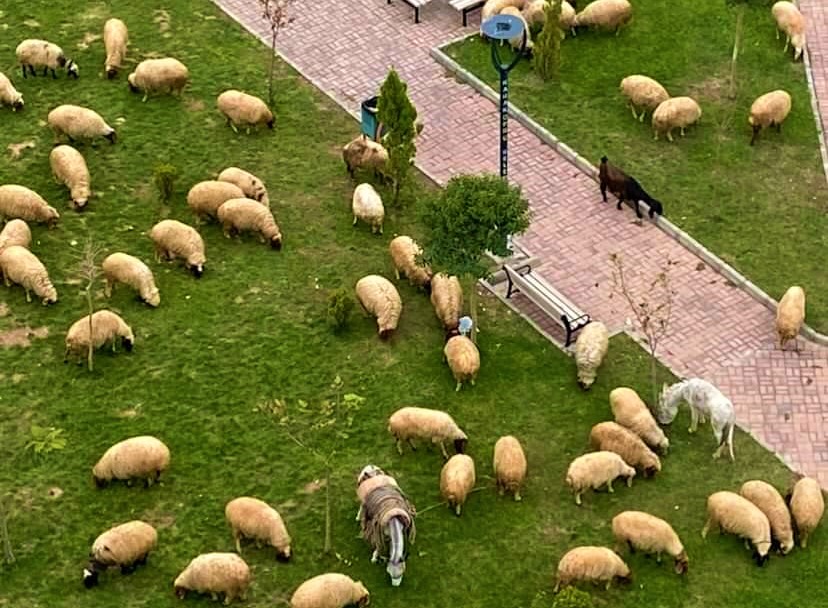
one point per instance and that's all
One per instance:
(253, 329)
(761, 209)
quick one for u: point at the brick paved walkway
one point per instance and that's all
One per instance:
(345, 47)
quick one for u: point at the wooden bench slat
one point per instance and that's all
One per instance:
(466, 6)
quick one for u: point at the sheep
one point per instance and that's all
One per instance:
(790, 20)
(16, 232)
(367, 206)
(463, 359)
(243, 109)
(364, 153)
(409, 423)
(243, 214)
(175, 239)
(675, 112)
(129, 270)
(509, 465)
(9, 96)
(525, 35)
(495, 7)
(534, 13)
(165, 75)
(331, 590)
(142, 457)
(116, 38)
(215, 573)
(790, 314)
(251, 185)
(607, 14)
(737, 515)
(590, 350)
(369, 479)
(613, 437)
(404, 252)
(378, 296)
(771, 503)
(807, 507)
(626, 188)
(33, 53)
(643, 92)
(649, 534)
(769, 110)
(106, 326)
(126, 546)
(457, 480)
(21, 203)
(631, 412)
(595, 469)
(21, 266)
(206, 197)
(69, 168)
(595, 564)
(77, 122)
(447, 300)
(253, 518)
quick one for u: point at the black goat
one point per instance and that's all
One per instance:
(625, 188)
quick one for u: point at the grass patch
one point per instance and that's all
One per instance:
(713, 185)
(254, 328)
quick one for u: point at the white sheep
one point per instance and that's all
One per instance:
(69, 168)
(378, 296)
(141, 457)
(215, 573)
(807, 508)
(331, 590)
(534, 12)
(129, 270)
(15, 232)
(9, 96)
(106, 326)
(126, 546)
(643, 92)
(175, 239)
(404, 253)
(447, 300)
(606, 14)
(613, 437)
(509, 465)
(594, 564)
(246, 215)
(21, 266)
(409, 423)
(494, 7)
(364, 153)
(676, 112)
(771, 503)
(32, 53)
(116, 38)
(769, 110)
(253, 518)
(367, 206)
(517, 41)
(457, 481)
(206, 197)
(77, 122)
(590, 349)
(463, 359)
(734, 514)
(649, 534)
(790, 20)
(21, 203)
(595, 469)
(631, 412)
(251, 185)
(242, 109)
(165, 75)
(790, 314)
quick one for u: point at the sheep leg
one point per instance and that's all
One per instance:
(108, 288)
(237, 538)
(359, 513)
(411, 443)
(232, 126)
(609, 487)
(399, 447)
(706, 528)
(355, 221)
(694, 420)
(397, 273)
(127, 568)
(28, 295)
(604, 192)
(803, 542)
(632, 108)
(24, 71)
(779, 127)
(631, 546)
(682, 131)
(787, 42)
(777, 33)
(641, 117)
(457, 510)
(144, 98)
(443, 448)
(578, 498)
(6, 281)
(756, 129)
(658, 557)
(458, 386)
(375, 556)
(629, 481)
(670, 135)
(46, 69)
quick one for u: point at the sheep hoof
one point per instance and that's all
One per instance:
(457, 510)
(518, 497)
(457, 388)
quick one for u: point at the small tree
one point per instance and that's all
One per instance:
(88, 274)
(340, 305)
(396, 112)
(546, 56)
(5, 514)
(164, 179)
(277, 14)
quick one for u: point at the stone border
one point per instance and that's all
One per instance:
(809, 75)
(730, 273)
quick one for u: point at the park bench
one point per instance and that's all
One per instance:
(547, 298)
(466, 6)
(416, 5)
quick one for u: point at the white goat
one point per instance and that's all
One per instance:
(705, 401)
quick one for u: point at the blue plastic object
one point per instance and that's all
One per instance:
(502, 27)
(465, 325)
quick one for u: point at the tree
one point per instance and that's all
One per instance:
(472, 215)
(276, 12)
(5, 514)
(398, 115)
(546, 55)
(88, 274)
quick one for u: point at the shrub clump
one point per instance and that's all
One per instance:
(340, 305)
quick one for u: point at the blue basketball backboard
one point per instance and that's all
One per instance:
(502, 27)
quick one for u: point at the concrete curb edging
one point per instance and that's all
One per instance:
(809, 75)
(731, 274)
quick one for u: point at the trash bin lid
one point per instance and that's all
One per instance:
(371, 104)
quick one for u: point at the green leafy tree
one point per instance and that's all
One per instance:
(340, 305)
(546, 55)
(398, 115)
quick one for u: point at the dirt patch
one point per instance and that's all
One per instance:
(15, 150)
(4, 309)
(20, 336)
(313, 486)
(131, 412)
(711, 89)
(31, 23)
(194, 105)
(162, 18)
(54, 493)
(88, 38)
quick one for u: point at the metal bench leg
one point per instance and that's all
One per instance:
(510, 287)
(568, 329)
(465, 14)
(417, 15)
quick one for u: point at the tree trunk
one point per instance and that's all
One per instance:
(653, 376)
(4, 534)
(272, 67)
(736, 44)
(90, 353)
(326, 549)
(473, 308)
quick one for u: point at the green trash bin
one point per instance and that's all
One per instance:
(371, 126)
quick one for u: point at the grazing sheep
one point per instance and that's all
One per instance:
(447, 300)
(790, 314)
(32, 53)
(534, 13)
(175, 239)
(369, 479)
(676, 112)
(21, 203)
(215, 573)
(626, 188)
(649, 534)
(771, 503)
(242, 109)
(253, 518)
(21, 266)
(790, 20)
(364, 153)
(509, 464)
(769, 110)
(595, 469)
(15, 232)
(737, 515)
(246, 215)
(165, 75)
(129, 270)
(380, 298)
(463, 359)
(77, 122)
(409, 423)
(142, 457)
(494, 7)
(126, 546)
(605, 14)
(116, 38)
(631, 412)
(517, 41)
(457, 480)
(69, 168)
(331, 590)
(9, 96)
(807, 507)
(251, 185)
(206, 197)
(594, 564)
(106, 327)
(367, 206)
(613, 437)
(404, 252)
(643, 92)
(590, 350)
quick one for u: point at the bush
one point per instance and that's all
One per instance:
(340, 305)
(164, 180)
(570, 597)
